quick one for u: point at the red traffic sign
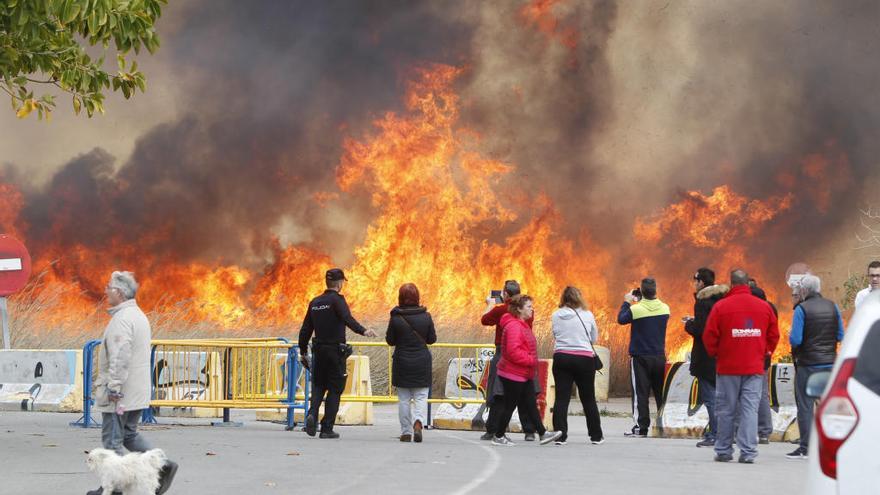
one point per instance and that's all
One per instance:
(15, 265)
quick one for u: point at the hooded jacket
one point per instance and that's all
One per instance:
(124, 359)
(703, 365)
(410, 331)
(574, 330)
(741, 330)
(648, 333)
(493, 318)
(519, 348)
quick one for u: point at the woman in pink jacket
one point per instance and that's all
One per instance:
(518, 368)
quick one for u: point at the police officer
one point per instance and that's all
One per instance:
(327, 317)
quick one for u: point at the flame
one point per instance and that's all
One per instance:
(437, 198)
(448, 218)
(539, 14)
(721, 227)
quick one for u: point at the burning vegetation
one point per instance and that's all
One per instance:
(522, 142)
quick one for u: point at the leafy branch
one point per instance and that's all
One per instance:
(43, 43)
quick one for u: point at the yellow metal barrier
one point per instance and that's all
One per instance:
(390, 397)
(249, 373)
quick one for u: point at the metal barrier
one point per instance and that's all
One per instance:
(89, 374)
(243, 374)
(214, 373)
(389, 397)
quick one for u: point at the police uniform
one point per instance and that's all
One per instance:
(326, 318)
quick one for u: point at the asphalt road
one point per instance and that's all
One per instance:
(40, 453)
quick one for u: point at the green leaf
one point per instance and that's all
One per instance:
(72, 13)
(120, 61)
(77, 105)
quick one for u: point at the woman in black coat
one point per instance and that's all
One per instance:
(410, 331)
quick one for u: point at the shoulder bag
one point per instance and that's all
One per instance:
(598, 361)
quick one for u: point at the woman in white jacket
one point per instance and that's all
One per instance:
(574, 363)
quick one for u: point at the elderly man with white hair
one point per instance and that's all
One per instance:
(816, 328)
(122, 389)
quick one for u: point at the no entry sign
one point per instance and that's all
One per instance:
(15, 265)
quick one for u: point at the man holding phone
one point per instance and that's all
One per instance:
(647, 316)
(495, 309)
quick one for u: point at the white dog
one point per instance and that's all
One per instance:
(135, 473)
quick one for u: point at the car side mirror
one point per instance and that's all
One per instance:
(816, 384)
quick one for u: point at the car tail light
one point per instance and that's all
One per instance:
(837, 417)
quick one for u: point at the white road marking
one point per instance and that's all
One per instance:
(491, 467)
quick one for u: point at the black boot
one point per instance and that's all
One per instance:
(166, 476)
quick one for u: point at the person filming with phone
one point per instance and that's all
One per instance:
(495, 309)
(647, 316)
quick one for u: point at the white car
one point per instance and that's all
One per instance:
(843, 456)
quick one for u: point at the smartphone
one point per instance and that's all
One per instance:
(496, 294)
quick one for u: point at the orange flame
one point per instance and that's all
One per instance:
(724, 224)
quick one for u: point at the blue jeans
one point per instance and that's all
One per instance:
(121, 430)
(707, 395)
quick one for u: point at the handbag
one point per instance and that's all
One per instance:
(597, 360)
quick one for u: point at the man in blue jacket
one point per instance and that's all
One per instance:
(816, 328)
(647, 316)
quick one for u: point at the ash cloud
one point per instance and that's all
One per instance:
(271, 89)
(646, 100)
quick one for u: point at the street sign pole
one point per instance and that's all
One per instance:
(4, 314)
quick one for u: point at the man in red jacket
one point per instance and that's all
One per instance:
(494, 391)
(740, 332)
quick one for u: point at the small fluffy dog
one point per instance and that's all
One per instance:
(135, 473)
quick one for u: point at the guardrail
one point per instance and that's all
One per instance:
(390, 397)
(89, 373)
(251, 373)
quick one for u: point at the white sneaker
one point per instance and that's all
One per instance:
(503, 441)
(598, 442)
(550, 436)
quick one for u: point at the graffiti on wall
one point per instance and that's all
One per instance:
(684, 414)
(39, 380)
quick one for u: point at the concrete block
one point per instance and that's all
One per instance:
(41, 380)
(350, 413)
(458, 416)
(684, 416)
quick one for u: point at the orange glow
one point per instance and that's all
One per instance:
(722, 225)
(539, 15)
(448, 218)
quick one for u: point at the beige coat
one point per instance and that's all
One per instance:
(125, 359)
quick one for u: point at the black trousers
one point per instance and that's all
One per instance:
(647, 373)
(495, 402)
(521, 396)
(328, 376)
(569, 370)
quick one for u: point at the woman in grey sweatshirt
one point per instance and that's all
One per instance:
(574, 363)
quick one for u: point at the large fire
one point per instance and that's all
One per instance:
(448, 218)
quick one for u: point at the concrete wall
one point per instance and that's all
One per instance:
(41, 380)
(350, 413)
(684, 415)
